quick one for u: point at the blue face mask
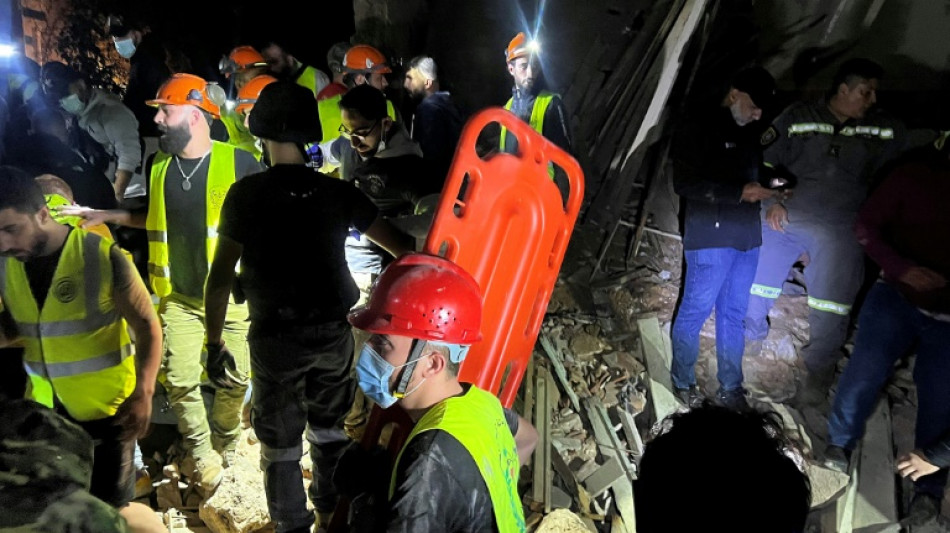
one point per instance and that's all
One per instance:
(72, 104)
(373, 374)
(125, 47)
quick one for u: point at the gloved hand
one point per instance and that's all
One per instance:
(361, 471)
(221, 367)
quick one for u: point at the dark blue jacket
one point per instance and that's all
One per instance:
(713, 159)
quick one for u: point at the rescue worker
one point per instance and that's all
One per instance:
(905, 228)
(716, 168)
(73, 298)
(246, 99)
(285, 66)
(362, 65)
(102, 116)
(301, 345)
(243, 64)
(437, 121)
(540, 108)
(335, 57)
(377, 155)
(188, 180)
(830, 148)
(458, 470)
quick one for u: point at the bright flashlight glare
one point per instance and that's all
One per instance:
(534, 46)
(7, 50)
(230, 104)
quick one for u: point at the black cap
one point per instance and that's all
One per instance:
(286, 112)
(757, 83)
(56, 78)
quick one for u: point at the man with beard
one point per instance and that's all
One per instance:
(716, 169)
(540, 108)
(437, 121)
(70, 299)
(188, 179)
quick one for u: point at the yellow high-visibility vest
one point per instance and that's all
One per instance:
(77, 348)
(221, 175)
(477, 421)
(536, 121)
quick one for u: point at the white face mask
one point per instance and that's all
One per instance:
(72, 104)
(125, 47)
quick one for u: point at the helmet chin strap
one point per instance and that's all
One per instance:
(415, 353)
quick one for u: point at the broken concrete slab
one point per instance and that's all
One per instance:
(563, 521)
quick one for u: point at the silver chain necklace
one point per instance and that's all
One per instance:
(186, 183)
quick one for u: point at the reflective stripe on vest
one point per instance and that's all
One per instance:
(802, 128)
(78, 347)
(477, 421)
(221, 175)
(331, 117)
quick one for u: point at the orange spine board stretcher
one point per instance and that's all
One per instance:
(509, 228)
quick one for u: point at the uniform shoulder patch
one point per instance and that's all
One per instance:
(768, 136)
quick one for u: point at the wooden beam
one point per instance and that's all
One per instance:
(542, 473)
(558, 364)
(875, 505)
(659, 358)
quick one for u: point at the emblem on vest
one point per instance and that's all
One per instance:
(216, 197)
(65, 290)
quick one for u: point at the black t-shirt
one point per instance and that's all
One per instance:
(292, 223)
(436, 463)
(186, 216)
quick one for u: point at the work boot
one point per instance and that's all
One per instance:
(691, 397)
(734, 399)
(837, 458)
(924, 508)
(206, 471)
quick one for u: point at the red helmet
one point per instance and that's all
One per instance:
(424, 297)
(188, 89)
(251, 91)
(365, 58)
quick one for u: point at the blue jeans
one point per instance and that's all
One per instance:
(719, 277)
(888, 327)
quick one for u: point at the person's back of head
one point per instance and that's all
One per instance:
(368, 101)
(285, 112)
(720, 470)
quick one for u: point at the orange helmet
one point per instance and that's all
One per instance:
(520, 46)
(188, 89)
(365, 58)
(251, 91)
(241, 58)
